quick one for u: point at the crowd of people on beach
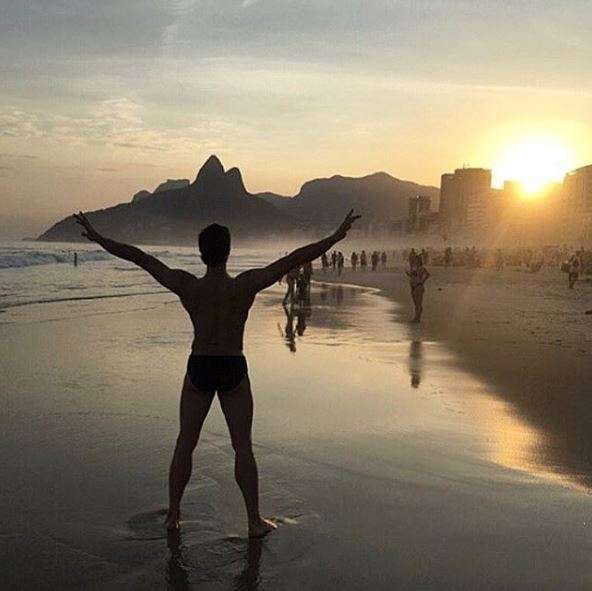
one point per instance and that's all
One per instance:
(572, 262)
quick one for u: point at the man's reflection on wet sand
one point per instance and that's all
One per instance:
(415, 362)
(178, 573)
(298, 313)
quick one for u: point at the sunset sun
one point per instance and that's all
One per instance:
(534, 163)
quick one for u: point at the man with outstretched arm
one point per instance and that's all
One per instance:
(218, 306)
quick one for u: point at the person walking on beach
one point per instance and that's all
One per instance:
(218, 306)
(418, 275)
(383, 259)
(324, 262)
(354, 260)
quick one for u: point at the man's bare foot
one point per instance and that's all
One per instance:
(172, 521)
(261, 528)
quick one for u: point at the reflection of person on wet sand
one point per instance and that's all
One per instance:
(177, 575)
(218, 306)
(302, 313)
(289, 334)
(418, 275)
(415, 363)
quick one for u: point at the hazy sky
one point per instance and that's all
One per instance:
(102, 98)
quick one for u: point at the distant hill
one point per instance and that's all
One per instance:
(178, 209)
(378, 197)
(175, 215)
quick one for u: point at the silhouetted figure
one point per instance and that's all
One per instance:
(76, 259)
(363, 260)
(340, 262)
(291, 278)
(218, 306)
(324, 262)
(354, 260)
(447, 256)
(301, 287)
(425, 257)
(418, 275)
(383, 259)
(573, 273)
(374, 260)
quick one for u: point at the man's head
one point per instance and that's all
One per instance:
(214, 245)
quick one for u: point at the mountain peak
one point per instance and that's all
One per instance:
(234, 180)
(210, 173)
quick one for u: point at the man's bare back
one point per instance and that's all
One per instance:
(218, 306)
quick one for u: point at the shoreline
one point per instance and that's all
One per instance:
(524, 334)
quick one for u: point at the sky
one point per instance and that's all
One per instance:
(101, 99)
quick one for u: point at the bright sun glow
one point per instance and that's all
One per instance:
(533, 163)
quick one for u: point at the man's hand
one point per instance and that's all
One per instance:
(89, 231)
(346, 225)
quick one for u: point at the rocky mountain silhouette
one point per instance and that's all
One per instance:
(177, 209)
(175, 215)
(378, 197)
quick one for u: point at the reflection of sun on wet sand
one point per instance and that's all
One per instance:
(526, 336)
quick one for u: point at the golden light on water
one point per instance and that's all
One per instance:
(534, 163)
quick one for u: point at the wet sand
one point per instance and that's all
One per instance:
(384, 463)
(526, 335)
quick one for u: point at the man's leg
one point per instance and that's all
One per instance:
(237, 406)
(195, 405)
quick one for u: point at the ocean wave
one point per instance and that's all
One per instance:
(4, 307)
(15, 259)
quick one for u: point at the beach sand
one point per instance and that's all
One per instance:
(386, 460)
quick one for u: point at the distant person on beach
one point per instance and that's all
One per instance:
(418, 275)
(218, 306)
(291, 278)
(447, 256)
(340, 262)
(374, 260)
(301, 287)
(76, 259)
(363, 260)
(573, 273)
(324, 262)
(354, 260)
(334, 260)
(383, 259)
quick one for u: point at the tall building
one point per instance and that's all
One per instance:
(419, 210)
(577, 198)
(464, 198)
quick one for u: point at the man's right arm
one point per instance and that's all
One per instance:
(259, 279)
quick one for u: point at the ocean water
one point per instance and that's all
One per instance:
(38, 280)
(383, 463)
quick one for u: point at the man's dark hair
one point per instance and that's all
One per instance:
(214, 244)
